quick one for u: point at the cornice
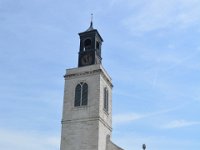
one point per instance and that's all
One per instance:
(88, 119)
(88, 73)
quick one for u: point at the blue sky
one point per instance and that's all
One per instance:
(151, 50)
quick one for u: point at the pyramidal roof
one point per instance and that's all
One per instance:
(91, 27)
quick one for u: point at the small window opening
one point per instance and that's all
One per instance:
(106, 99)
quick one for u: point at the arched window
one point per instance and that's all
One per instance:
(97, 45)
(87, 44)
(106, 99)
(81, 94)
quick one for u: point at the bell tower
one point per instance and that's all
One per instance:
(87, 106)
(90, 47)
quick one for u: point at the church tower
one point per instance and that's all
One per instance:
(87, 107)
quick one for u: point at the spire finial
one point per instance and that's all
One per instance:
(143, 146)
(91, 17)
(91, 23)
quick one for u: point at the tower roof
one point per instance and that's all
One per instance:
(91, 30)
(91, 26)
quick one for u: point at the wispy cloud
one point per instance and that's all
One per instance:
(126, 118)
(130, 117)
(17, 140)
(161, 14)
(180, 124)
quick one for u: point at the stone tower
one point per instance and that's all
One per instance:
(87, 107)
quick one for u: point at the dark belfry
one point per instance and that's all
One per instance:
(90, 47)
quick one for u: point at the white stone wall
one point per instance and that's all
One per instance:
(105, 125)
(106, 116)
(80, 135)
(103, 133)
(91, 110)
(86, 128)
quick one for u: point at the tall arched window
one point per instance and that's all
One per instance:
(81, 94)
(87, 44)
(106, 99)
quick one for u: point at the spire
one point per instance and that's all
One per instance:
(91, 24)
(143, 146)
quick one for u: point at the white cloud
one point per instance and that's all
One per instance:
(126, 118)
(130, 117)
(17, 140)
(180, 124)
(161, 14)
